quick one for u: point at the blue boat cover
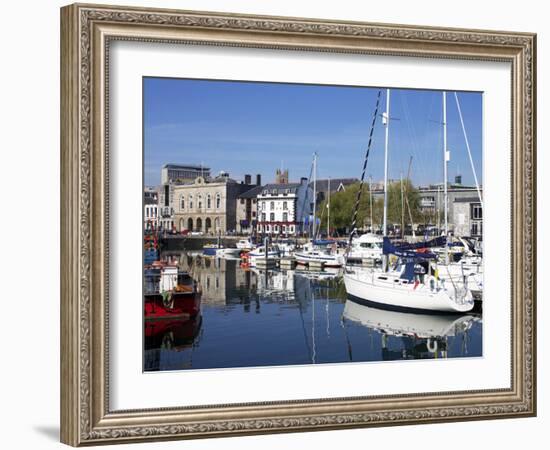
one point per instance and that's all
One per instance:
(389, 249)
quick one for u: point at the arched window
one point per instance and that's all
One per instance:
(218, 201)
(199, 201)
(190, 201)
(182, 202)
(208, 201)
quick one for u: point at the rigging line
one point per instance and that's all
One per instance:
(306, 196)
(468, 148)
(418, 143)
(358, 198)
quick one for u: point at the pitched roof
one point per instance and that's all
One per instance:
(322, 185)
(281, 188)
(251, 193)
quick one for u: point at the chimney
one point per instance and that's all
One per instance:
(248, 179)
(258, 180)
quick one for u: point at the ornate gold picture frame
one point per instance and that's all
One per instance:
(87, 31)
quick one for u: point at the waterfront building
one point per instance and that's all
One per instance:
(172, 175)
(283, 209)
(207, 205)
(468, 216)
(432, 201)
(150, 208)
(247, 209)
(182, 173)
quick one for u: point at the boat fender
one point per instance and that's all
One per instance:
(432, 282)
(431, 345)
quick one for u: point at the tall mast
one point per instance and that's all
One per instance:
(328, 209)
(386, 121)
(370, 192)
(446, 157)
(402, 210)
(314, 192)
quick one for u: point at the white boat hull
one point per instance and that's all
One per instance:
(327, 260)
(369, 287)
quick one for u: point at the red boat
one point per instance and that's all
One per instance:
(169, 293)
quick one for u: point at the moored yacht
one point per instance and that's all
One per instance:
(321, 252)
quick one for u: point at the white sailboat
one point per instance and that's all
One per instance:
(460, 260)
(413, 283)
(318, 251)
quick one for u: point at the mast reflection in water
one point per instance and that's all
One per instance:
(268, 318)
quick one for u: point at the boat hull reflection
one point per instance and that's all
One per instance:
(419, 335)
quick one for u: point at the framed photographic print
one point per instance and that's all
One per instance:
(276, 224)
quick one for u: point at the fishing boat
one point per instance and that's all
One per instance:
(169, 293)
(413, 282)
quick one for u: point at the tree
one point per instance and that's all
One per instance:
(342, 205)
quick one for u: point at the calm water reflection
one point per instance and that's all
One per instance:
(268, 318)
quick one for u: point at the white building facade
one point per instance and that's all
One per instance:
(283, 209)
(150, 209)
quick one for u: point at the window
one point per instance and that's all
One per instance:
(476, 212)
(276, 228)
(272, 217)
(263, 205)
(182, 202)
(208, 201)
(285, 217)
(253, 213)
(242, 201)
(267, 228)
(190, 201)
(218, 201)
(263, 217)
(199, 201)
(271, 205)
(284, 228)
(285, 206)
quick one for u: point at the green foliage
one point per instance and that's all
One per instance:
(342, 206)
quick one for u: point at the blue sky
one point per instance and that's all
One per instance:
(244, 127)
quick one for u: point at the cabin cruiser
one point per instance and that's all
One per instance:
(273, 254)
(321, 252)
(366, 246)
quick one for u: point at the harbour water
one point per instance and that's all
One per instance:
(251, 318)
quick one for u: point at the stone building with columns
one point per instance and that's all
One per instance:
(207, 205)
